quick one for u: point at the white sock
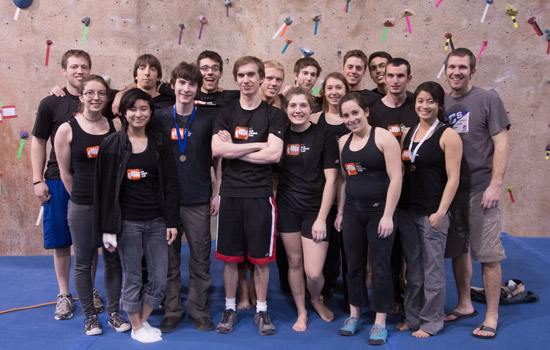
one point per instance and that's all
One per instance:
(261, 306)
(151, 329)
(143, 336)
(231, 304)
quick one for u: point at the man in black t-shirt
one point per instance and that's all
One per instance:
(395, 111)
(377, 68)
(48, 188)
(248, 135)
(306, 73)
(354, 69)
(189, 130)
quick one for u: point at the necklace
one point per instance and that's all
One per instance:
(91, 120)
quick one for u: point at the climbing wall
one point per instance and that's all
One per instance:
(514, 62)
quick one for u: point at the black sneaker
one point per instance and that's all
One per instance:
(203, 323)
(263, 321)
(92, 326)
(229, 319)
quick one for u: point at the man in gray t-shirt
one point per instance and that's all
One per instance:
(479, 117)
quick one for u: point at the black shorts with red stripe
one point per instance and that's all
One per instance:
(246, 226)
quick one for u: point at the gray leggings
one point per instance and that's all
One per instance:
(80, 219)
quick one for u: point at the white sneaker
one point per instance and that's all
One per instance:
(151, 329)
(144, 336)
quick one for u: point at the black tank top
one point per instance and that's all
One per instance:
(335, 130)
(84, 149)
(367, 180)
(423, 187)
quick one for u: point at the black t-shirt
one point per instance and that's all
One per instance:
(369, 96)
(219, 98)
(52, 112)
(138, 199)
(375, 90)
(195, 182)
(305, 157)
(240, 178)
(162, 101)
(335, 130)
(396, 120)
(84, 150)
(367, 180)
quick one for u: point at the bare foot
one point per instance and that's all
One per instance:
(301, 323)
(420, 334)
(243, 304)
(252, 292)
(323, 311)
(401, 326)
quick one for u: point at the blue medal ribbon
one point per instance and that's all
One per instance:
(183, 144)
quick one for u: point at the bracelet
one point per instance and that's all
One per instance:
(337, 215)
(37, 182)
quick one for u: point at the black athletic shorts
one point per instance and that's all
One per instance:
(246, 226)
(289, 220)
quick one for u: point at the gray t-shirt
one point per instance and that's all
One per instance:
(476, 116)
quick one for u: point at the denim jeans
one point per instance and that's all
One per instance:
(80, 219)
(138, 239)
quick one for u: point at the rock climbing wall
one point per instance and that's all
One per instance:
(514, 62)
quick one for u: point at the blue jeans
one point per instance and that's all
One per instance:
(143, 238)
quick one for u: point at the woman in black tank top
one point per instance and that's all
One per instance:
(77, 145)
(432, 152)
(367, 199)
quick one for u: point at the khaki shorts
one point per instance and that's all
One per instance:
(474, 228)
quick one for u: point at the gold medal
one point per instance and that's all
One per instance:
(183, 158)
(413, 168)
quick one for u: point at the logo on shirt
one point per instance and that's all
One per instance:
(241, 133)
(91, 152)
(351, 169)
(293, 150)
(136, 174)
(459, 121)
(395, 130)
(174, 133)
(406, 155)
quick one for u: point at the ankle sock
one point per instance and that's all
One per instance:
(144, 336)
(261, 306)
(231, 304)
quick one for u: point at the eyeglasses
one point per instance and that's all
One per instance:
(91, 94)
(205, 69)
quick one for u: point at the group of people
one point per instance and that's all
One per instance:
(321, 184)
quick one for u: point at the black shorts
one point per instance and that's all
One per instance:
(246, 226)
(289, 220)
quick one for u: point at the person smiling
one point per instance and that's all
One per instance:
(432, 152)
(306, 191)
(368, 195)
(77, 143)
(136, 208)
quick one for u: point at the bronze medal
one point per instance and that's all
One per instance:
(183, 158)
(413, 168)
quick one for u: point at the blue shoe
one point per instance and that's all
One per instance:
(378, 335)
(351, 326)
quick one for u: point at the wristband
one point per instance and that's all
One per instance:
(37, 182)
(337, 215)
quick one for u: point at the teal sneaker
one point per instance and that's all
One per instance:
(378, 335)
(351, 326)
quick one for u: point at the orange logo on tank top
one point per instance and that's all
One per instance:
(395, 129)
(293, 150)
(406, 155)
(91, 152)
(351, 169)
(133, 174)
(174, 133)
(241, 133)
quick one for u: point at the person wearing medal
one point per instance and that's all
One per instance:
(432, 152)
(189, 129)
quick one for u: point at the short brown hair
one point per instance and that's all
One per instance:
(188, 72)
(75, 53)
(356, 53)
(306, 62)
(148, 59)
(275, 65)
(463, 52)
(299, 91)
(214, 56)
(246, 60)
